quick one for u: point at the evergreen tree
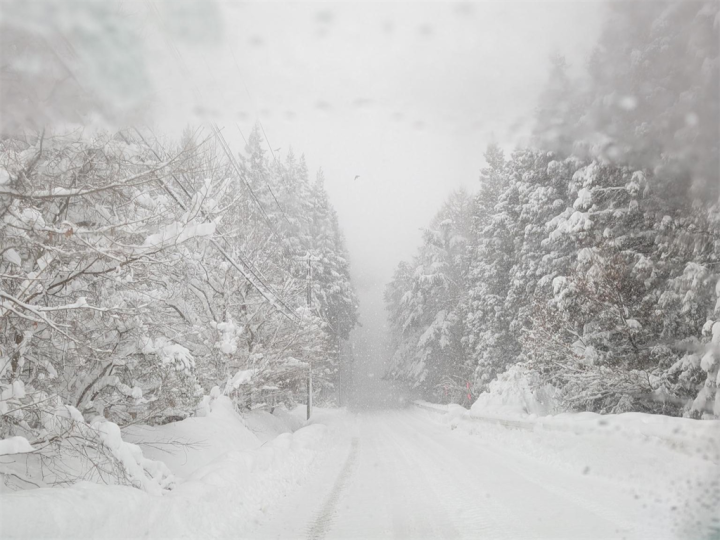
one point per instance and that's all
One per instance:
(427, 307)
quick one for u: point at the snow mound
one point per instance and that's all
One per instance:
(150, 475)
(293, 419)
(226, 479)
(14, 445)
(192, 443)
(516, 393)
(266, 425)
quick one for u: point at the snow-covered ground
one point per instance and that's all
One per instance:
(659, 475)
(229, 470)
(419, 472)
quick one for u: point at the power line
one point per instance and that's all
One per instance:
(228, 152)
(267, 140)
(249, 266)
(246, 269)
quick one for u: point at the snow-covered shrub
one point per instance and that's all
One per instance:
(67, 449)
(518, 391)
(76, 216)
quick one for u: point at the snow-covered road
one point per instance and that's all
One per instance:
(402, 474)
(430, 472)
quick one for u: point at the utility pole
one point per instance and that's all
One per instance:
(309, 393)
(308, 299)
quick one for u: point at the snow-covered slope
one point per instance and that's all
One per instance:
(226, 476)
(194, 442)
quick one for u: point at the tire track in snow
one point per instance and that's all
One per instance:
(320, 526)
(430, 519)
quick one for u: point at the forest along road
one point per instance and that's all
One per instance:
(401, 474)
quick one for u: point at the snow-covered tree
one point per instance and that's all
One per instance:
(651, 97)
(487, 333)
(135, 277)
(427, 307)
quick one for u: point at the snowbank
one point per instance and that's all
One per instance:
(691, 436)
(516, 400)
(226, 478)
(194, 442)
(14, 445)
(266, 426)
(674, 462)
(679, 433)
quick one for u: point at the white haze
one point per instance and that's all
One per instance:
(407, 96)
(404, 95)
(155, 334)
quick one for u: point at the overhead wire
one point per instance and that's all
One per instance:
(231, 157)
(221, 139)
(247, 269)
(262, 127)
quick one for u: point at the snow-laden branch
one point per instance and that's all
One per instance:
(81, 303)
(65, 193)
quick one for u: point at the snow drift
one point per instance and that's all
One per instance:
(225, 476)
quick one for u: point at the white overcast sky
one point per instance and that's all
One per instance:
(406, 95)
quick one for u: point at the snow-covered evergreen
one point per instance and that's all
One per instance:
(592, 258)
(427, 304)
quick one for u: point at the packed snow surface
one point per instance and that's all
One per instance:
(414, 473)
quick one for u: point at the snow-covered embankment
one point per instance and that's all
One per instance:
(672, 464)
(228, 469)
